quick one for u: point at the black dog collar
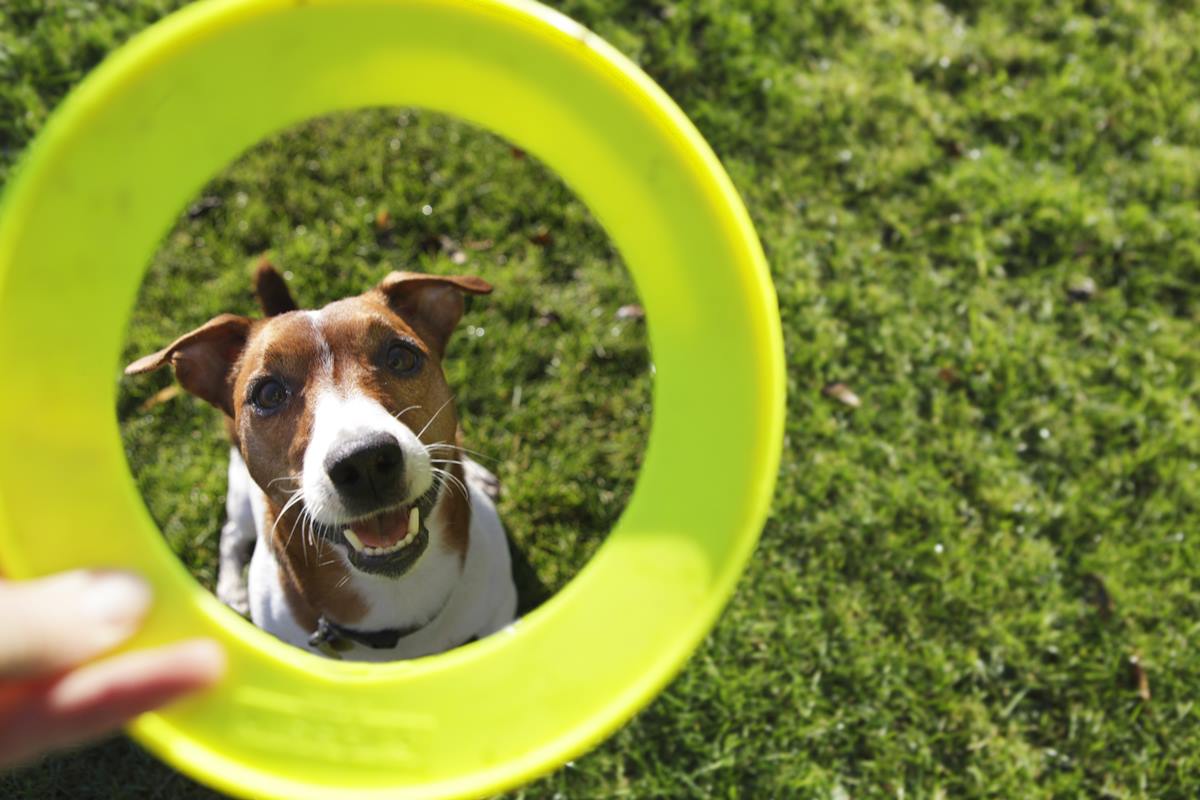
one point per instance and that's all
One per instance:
(333, 639)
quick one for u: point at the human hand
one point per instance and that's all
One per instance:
(52, 693)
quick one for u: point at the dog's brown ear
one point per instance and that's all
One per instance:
(431, 303)
(274, 297)
(203, 359)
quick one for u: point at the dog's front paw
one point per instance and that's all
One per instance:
(231, 590)
(232, 587)
(481, 478)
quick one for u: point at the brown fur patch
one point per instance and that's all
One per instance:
(314, 579)
(273, 446)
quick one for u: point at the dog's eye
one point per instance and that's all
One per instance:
(268, 396)
(401, 358)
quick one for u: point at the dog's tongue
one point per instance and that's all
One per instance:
(384, 530)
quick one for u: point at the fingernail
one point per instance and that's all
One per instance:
(116, 600)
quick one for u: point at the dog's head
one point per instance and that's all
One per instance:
(342, 414)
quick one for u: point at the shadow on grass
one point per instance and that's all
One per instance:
(112, 770)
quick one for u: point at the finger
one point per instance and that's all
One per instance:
(52, 624)
(99, 698)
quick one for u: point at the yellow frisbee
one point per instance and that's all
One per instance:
(103, 184)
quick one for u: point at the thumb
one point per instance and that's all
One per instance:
(52, 624)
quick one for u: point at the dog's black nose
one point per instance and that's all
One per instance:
(367, 471)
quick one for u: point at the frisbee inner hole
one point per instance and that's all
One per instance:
(551, 374)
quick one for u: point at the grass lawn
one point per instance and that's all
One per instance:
(980, 575)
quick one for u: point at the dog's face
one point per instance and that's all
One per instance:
(342, 414)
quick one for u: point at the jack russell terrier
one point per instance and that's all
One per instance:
(373, 537)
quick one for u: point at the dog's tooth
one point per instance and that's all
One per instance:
(414, 529)
(353, 539)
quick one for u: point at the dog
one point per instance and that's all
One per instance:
(370, 536)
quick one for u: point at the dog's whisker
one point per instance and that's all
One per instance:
(452, 479)
(294, 478)
(445, 461)
(435, 416)
(292, 497)
(304, 535)
(399, 414)
(308, 536)
(319, 542)
(292, 531)
(313, 515)
(295, 498)
(316, 512)
(430, 448)
(434, 449)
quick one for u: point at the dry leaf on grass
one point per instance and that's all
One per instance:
(948, 375)
(1137, 673)
(843, 394)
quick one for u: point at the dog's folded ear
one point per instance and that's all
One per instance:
(433, 304)
(274, 297)
(204, 359)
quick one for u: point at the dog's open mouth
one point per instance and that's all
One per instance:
(390, 542)
(385, 533)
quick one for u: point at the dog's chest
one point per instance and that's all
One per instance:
(447, 599)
